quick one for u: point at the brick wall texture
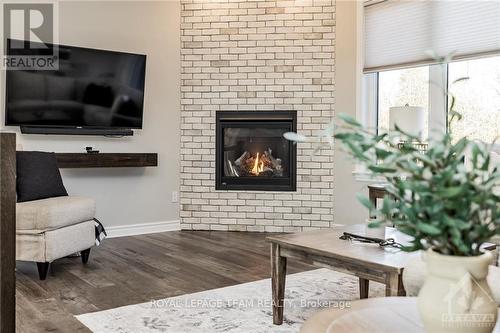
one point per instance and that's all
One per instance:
(256, 55)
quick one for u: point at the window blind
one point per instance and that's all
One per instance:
(401, 34)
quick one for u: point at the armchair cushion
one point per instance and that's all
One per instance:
(55, 244)
(53, 213)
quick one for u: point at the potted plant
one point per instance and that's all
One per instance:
(447, 199)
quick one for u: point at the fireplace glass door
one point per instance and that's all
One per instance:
(252, 152)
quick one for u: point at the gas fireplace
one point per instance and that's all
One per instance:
(251, 152)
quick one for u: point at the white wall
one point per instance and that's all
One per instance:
(131, 195)
(347, 209)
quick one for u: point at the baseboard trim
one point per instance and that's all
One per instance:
(143, 228)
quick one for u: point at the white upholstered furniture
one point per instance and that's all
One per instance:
(54, 228)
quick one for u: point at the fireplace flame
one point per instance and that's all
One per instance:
(258, 166)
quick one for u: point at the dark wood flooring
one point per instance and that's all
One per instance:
(130, 270)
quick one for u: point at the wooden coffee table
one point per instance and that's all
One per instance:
(323, 248)
(374, 315)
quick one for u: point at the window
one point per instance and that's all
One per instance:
(400, 88)
(477, 99)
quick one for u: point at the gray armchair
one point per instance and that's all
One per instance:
(54, 228)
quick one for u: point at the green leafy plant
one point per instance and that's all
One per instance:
(446, 197)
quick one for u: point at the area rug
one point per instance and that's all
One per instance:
(242, 308)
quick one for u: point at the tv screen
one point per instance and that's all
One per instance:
(91, 88)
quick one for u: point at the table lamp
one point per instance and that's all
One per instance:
(410, 119)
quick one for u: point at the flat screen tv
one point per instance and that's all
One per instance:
(95, 89)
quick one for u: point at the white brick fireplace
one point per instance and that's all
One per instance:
(256, 56)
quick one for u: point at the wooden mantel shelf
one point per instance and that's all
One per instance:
(106, 160)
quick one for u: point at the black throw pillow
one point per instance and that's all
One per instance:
(38, 176)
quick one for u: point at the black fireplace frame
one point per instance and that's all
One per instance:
(255, 119)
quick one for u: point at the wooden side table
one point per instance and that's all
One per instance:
(376, 191)
(374, 315)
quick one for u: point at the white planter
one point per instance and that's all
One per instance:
(455, 296)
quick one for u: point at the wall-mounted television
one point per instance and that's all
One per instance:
(91, 89)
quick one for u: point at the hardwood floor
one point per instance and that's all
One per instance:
(130, 270)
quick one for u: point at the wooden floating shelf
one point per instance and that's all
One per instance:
(106, 160)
